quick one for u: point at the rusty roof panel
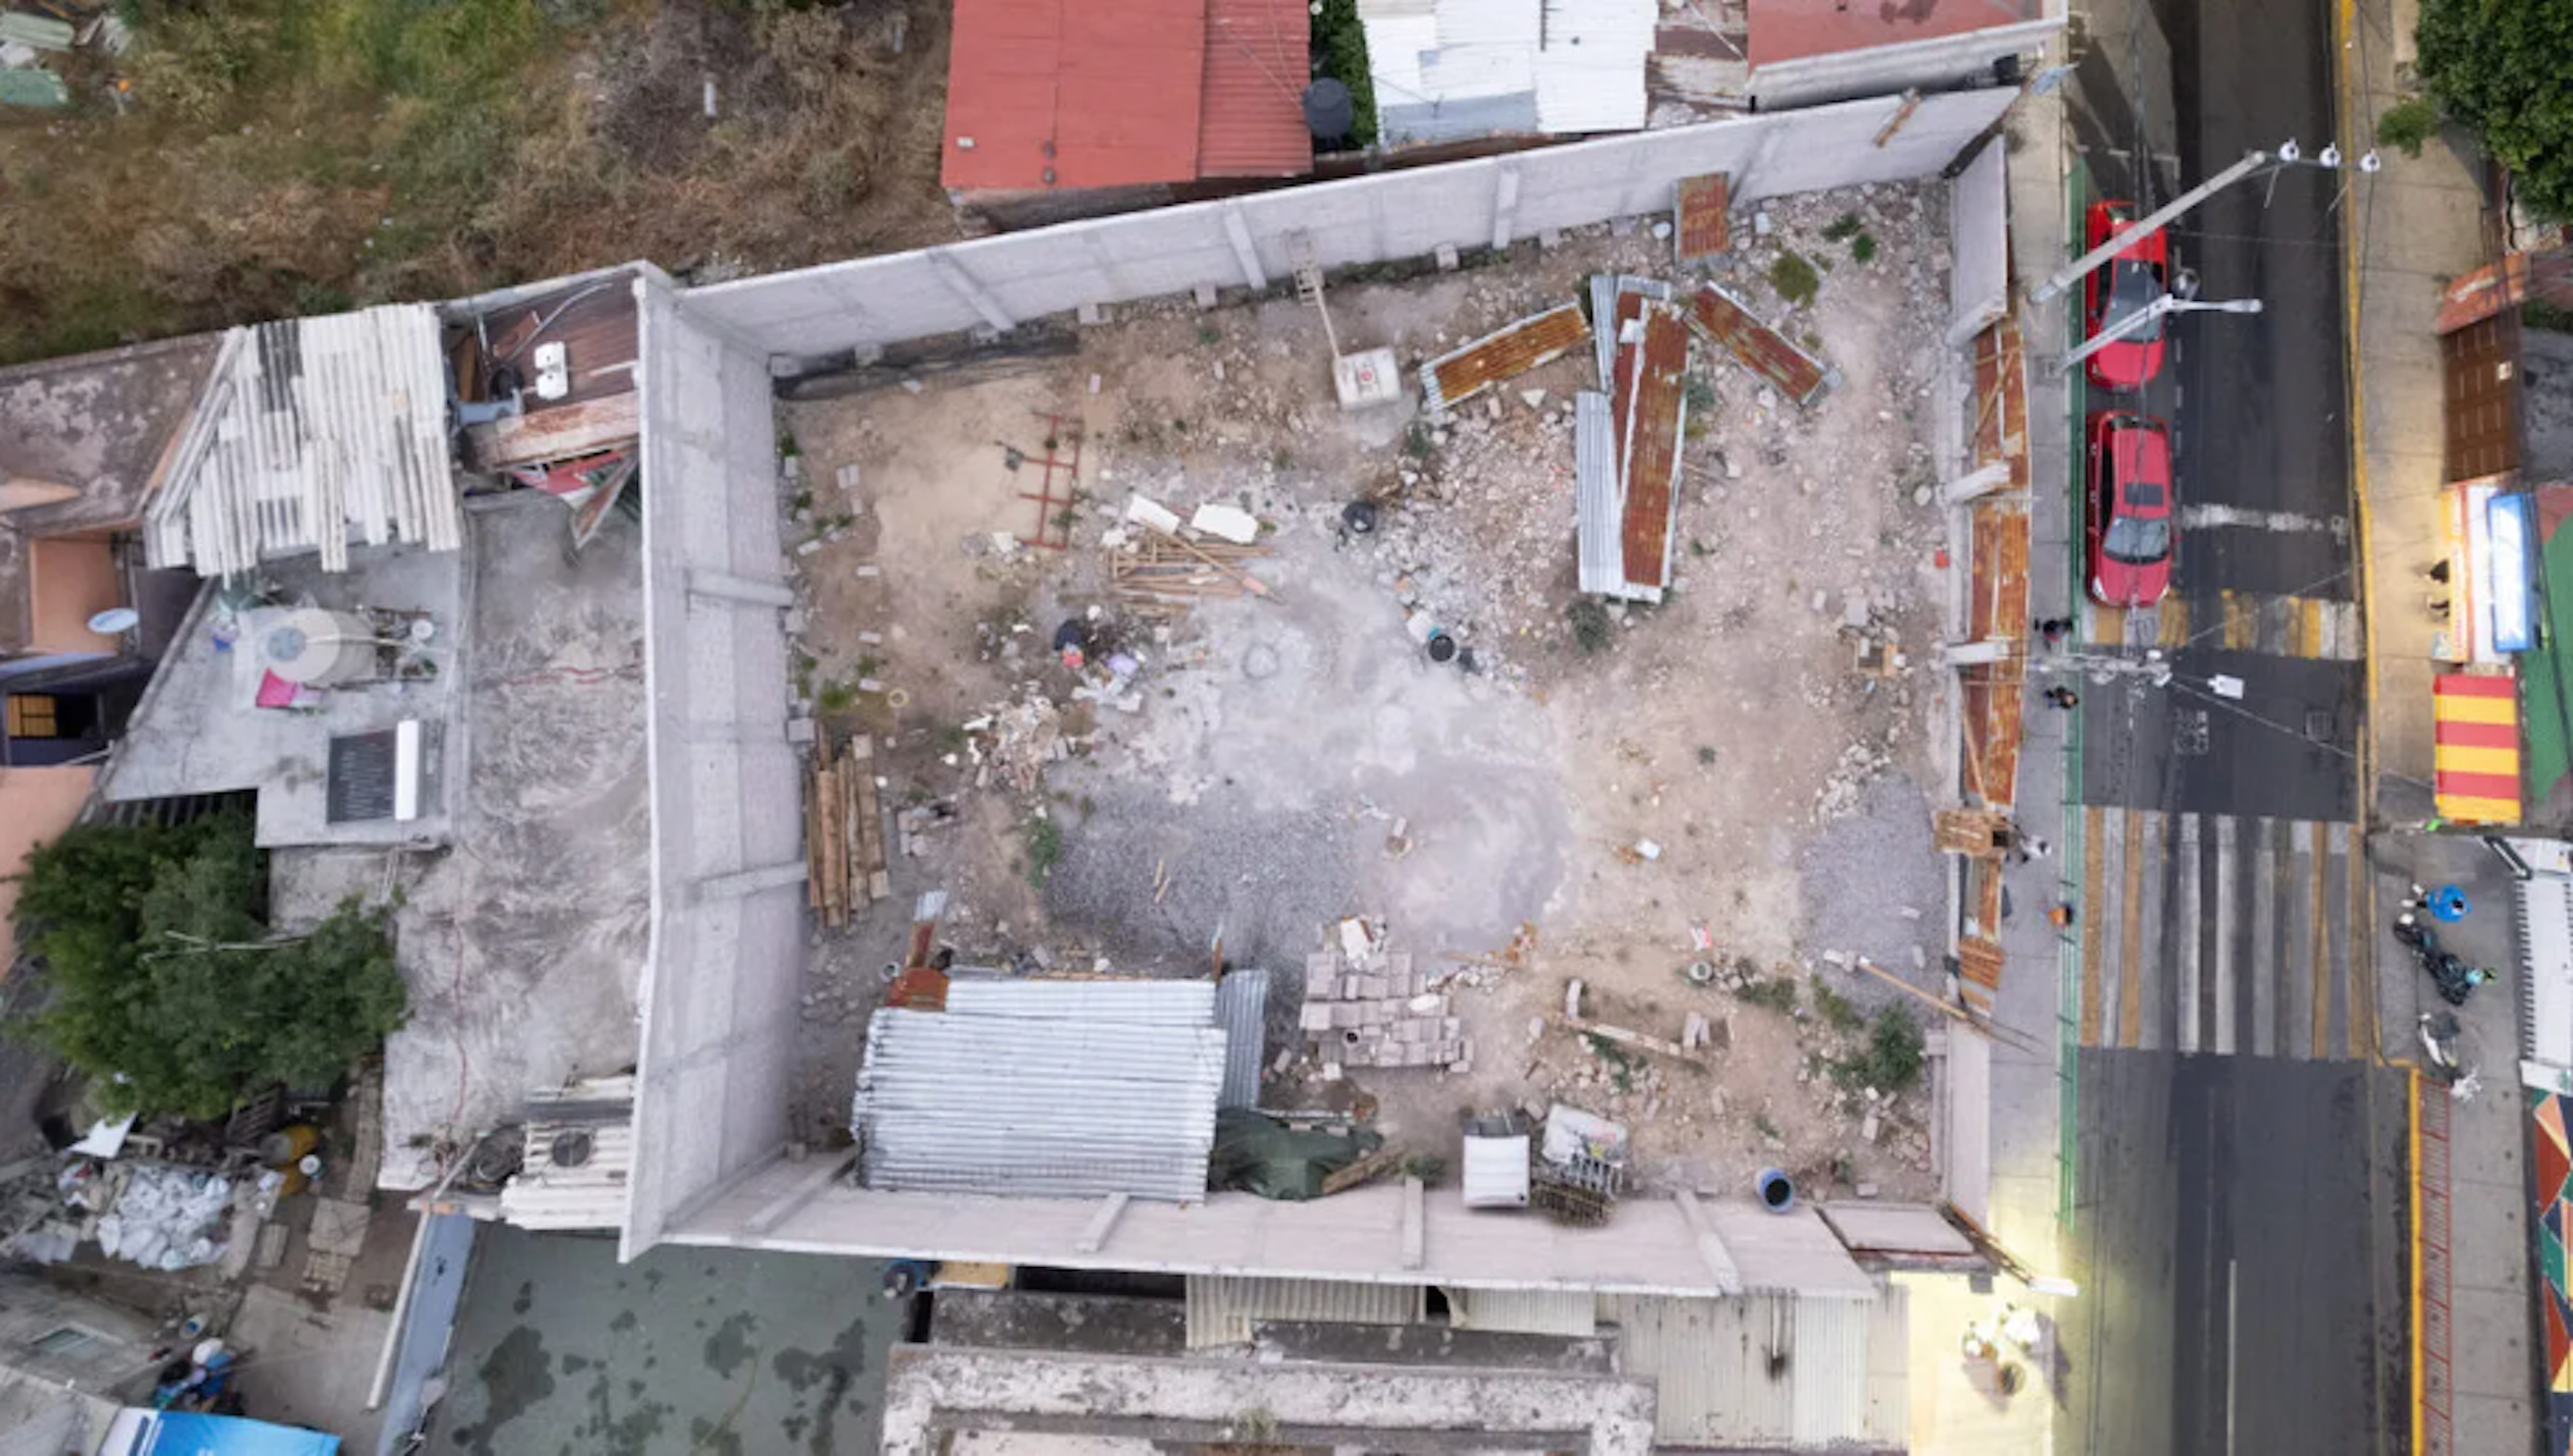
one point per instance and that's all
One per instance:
(1657, 414)
(1507, 352)
(1703, 224)
(1045, 94)
(1252, 122)
(1762, 350)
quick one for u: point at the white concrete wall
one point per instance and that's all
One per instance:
(727, 952)
(1979, 244)
(1928, 64)
(1012, 278)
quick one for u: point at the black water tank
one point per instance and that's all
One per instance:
(1329, 111)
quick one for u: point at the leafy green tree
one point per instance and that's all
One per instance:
(2500, 67)
(164, 984)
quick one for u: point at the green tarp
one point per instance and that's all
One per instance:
(1259, 1154)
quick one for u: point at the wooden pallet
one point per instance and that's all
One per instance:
(844, 842)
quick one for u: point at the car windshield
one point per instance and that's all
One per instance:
(2137, 542)
(2132, 286)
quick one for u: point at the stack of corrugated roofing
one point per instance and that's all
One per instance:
(1500, 355)
(1628, 441)
(311, 431)
(1046, 1088)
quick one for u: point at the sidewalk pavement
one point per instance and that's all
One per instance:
(2408, 231)
(1955, 1408)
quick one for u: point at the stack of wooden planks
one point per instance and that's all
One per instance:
(1164, 575)
(844, 845)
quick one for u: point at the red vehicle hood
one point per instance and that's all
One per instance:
(2125, 584)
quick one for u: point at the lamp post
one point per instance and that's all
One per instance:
(2166, 303)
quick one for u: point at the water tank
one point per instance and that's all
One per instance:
(1330, 110)
(317, 648)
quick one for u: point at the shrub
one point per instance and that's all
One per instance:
(1794, 278)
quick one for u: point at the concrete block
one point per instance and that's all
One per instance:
(1348, 987)
(1550, 239)
(1345, 1015)
(1205, 295)
(1371, 988)
(799, 730)
(794, 622)
(1446, 258)
(1091, 316)
(1321, 981)
(1371, 1014)
(1316, 1016)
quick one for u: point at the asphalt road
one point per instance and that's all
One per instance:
(2229, 1242)
(2167, 93)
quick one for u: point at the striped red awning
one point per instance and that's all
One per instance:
(2475, 758)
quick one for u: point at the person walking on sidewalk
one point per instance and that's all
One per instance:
(2053, 630)
(2062, 697)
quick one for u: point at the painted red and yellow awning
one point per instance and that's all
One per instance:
(2475, 759)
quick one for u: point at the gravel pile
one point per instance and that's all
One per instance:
(1861, 874)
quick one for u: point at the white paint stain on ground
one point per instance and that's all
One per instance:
(2199, 518)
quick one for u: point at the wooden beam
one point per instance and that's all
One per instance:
(554, 432)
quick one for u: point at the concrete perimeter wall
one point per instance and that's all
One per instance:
(727, 952)
(1490, 202)
(1926, 65)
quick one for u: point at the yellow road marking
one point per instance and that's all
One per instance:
(2109, 626)
(2309, 623)
(2175, 622)
(2241, 622)
(2094, 886)
(2362, 988)
(2130, 938)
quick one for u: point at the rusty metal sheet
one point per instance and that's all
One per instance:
(1998, 607)
(1702, 215)
(1657, 414)
(2001, 400)
(1453, 378)
(1762, 350)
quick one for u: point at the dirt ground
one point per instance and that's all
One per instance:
(1273, 764)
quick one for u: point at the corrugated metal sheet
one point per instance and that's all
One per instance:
(1520, 23)
(1241, 1009)
(1252, 115)
(1079, 1109)
(1599, 503)
(1657, 416)
(1701, 208)
(1222, 1308)
(1046, 93)
(1712, 1361)
(1762, 350)
(1590, 71)
(2546, 968)
(1129, 1003)
(309, 430)
(1569, 1313)
(1502, 355)
(1469, 68)
(1496, 1172)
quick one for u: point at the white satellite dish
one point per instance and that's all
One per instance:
(115, 621)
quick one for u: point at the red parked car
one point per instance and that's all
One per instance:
(2132, 525)
(2125, 285)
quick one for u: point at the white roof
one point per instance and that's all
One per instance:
(311, 431)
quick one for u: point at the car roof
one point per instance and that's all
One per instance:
(2140, 450)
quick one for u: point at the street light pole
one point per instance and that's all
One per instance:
(2166, 303)
(2125, 238)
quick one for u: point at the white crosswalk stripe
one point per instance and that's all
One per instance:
(2221, 936)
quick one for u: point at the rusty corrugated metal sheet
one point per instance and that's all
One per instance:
(1251, 119)
(1657, 413)
(1044, 93)
(1762, 350)
(1506, 353)
(2513, 280)
(1703, 215)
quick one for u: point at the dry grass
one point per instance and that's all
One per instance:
(302, 156)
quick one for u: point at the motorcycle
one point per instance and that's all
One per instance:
(2456, 979)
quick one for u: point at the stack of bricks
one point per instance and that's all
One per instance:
(1377, 1010)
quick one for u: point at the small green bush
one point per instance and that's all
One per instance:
(1794, 278)
(2409, 124)
(1591, 628)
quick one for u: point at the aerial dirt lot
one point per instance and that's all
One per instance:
(1273, 764)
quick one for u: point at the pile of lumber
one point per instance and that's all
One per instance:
(1164, 575)
(844, 843)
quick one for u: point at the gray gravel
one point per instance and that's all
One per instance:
(1860, 871)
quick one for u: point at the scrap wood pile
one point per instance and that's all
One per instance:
(1163, 576)
(844, 845)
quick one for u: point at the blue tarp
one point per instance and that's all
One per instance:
(185, 1433)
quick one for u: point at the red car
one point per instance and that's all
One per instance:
(2125, 285)
(2130, 520)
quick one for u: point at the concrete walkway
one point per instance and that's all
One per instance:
(2412, 228)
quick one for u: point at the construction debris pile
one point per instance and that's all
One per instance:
(1367, 1006)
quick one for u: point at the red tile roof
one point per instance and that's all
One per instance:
(1060, 93)
(1257, 65)
(1790, 30)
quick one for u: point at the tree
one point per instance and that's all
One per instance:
(164, 984)
(2499, 66)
